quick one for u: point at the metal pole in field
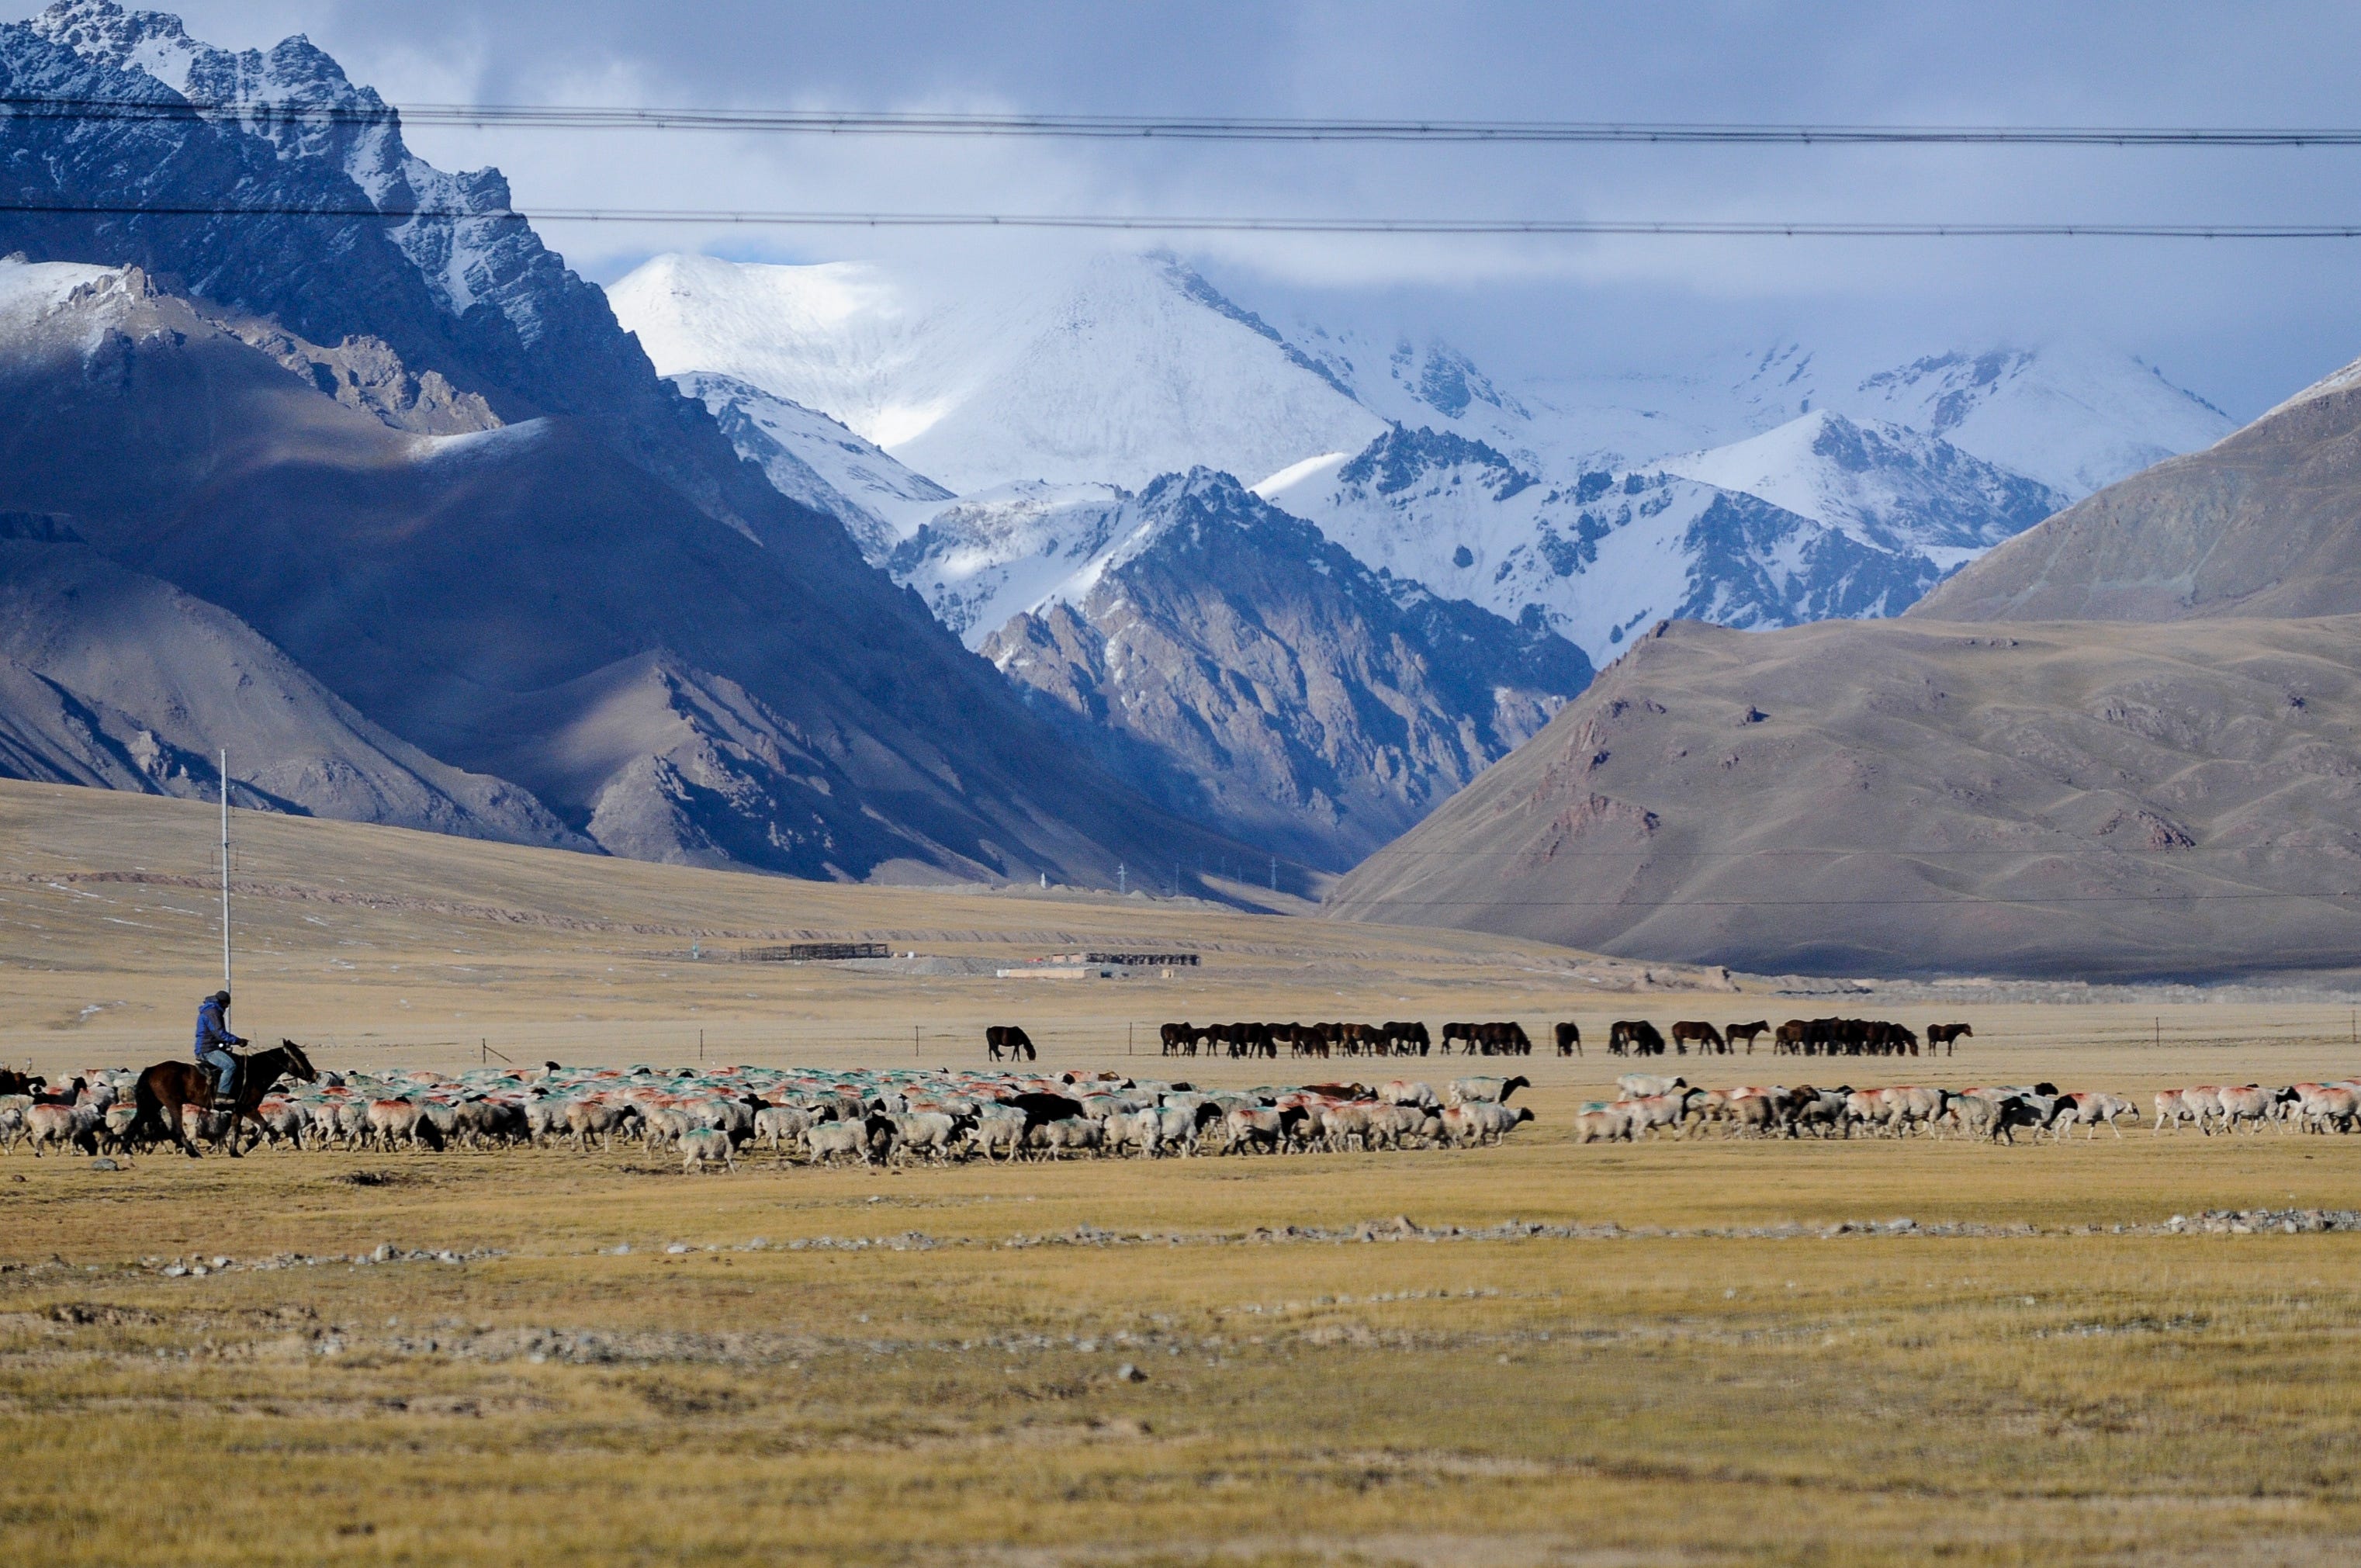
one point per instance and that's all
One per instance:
(224, 858)
(700, 1045)
(2160, 1034)
(914, 1039)
(1128, 1031)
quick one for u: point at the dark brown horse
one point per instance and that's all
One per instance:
(170, 1088)
(1011, 1038)
(1705, 1035)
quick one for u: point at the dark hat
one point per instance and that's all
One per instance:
(221, 997)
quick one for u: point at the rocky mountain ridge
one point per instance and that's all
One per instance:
(1245, 672)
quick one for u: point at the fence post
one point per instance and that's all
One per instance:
(914, 1040)
(1128, 1031)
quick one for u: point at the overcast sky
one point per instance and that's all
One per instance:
(2242, 323)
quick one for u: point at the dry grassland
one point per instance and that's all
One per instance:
(2049, 1390)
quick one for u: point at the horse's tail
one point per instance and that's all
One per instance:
(149, 1106)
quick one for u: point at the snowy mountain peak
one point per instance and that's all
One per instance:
(1400, 459)
(1888, 487)
(104, 32)
(2073, 415)
(1120, 369)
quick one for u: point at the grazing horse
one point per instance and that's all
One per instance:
(1634, 1036)
(1463, 1032)
(1569, 1039)
(1947, 1036)
(169, 1088)
(1705, 1035)
(1009, 1038)
(1503, 1038)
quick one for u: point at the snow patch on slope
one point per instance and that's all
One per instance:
(814, 459)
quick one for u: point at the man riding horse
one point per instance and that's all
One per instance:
(214, 1040)
(169, 1089)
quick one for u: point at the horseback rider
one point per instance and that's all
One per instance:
(214, 1040)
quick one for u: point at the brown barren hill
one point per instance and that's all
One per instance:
(2260, 524)
(1911, 798)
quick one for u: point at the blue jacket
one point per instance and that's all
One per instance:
(212, 1029)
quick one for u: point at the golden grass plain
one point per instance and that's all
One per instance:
(1721, 1382)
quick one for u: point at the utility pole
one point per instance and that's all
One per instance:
(224, 866)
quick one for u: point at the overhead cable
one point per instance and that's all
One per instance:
(1181, 128)
(1202, 223)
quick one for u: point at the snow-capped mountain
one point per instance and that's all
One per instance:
(1134, 365)
(813, 459)
(1606, 553)
(1011, 549)
(1247, 673)
(1123, 368)
(2072, 414)
(1887, 487)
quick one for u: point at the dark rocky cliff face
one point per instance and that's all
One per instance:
(1246, 673)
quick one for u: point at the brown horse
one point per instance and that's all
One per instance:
(1734, 1033)
(169, 1088)
(1706, 1037)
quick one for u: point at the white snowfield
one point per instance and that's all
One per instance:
(1759, 491)
(1112, 374)
(32, 289)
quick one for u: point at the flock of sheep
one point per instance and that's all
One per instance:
(1650, 1106)
(821, 1116)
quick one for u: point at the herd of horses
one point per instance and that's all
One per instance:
(1796, 1036)
(1628, 1036)
(1395, 1038)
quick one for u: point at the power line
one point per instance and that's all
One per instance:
(1206, 223)
(1949, 899)
(1179, 127)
